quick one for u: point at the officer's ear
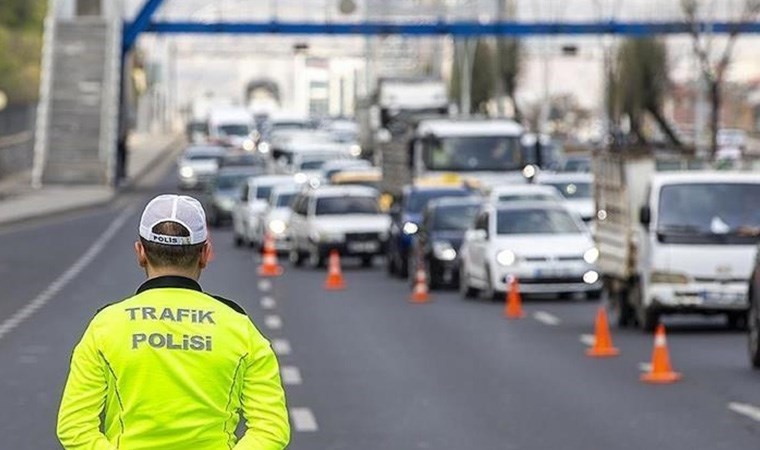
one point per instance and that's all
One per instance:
(207, 254)
(142, 258)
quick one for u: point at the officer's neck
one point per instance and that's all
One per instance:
(155, 272)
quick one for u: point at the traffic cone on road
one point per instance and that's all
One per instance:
(661, 371)
(603, 347)
(334, 281)
(269, 266)
(513, 306)
(420, 294)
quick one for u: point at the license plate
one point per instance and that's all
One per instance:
(362, 247)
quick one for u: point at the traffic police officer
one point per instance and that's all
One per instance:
(171, 366)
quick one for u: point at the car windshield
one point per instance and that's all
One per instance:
(454, 217)
(417, 200)
(535, 221)
(234, 130)
(528, 197)
(572, 190)
(283, 200)
(231, 181)
(577, 165)
(263, 192)
(473, 153)
(347, 205)
(709, 213)
(199, 154)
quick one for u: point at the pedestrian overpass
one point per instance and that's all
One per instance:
(83, 119)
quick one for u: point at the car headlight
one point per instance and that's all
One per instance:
(591, 255)
(355, 150)
(668, 277)
(444, 251)
(277, 226)
(186, 172)
(226, 202)
(301, 178)
(263, 147)
(506, 257)
(410, 228)
(248, 145)
(591, 277)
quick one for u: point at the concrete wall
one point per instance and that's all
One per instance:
(16, 139)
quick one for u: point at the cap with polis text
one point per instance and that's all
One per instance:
(180, 209)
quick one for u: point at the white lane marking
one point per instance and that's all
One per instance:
(546, 318)
(645, 367)
(291, 375)
(751, 411)
(281, 346)
(65, 278)
(588, 339)
(273, 322)
(268, 303)
(265, 285)
(303, 420)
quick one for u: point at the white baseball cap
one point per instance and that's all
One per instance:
(181, 209)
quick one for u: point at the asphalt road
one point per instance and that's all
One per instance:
(364, 368)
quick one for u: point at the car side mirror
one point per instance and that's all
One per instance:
(645, 215)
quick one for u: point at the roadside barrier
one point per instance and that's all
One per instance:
(602, 347)
(334, 281)
(269, 266)
(661, 371)
(513, 305)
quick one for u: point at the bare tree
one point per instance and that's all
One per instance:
(713, 70)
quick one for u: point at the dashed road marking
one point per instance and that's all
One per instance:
(546, 318)
(265, 285)
(751, 411)
(268, 303)
(273, 322)
(645, 367)
(65, 278)
(303, 420)
(588, 339)
(291, 375)
(281, 346)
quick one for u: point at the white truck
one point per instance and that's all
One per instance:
(231, 126)
(674, 242)
(484, 151)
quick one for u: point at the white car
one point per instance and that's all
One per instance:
(343, 218)
(544, 245)
(252, 204)
(527, 192)
(276, 217)
(576, 188)
(198, 165)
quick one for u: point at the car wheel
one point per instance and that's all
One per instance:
(390, 264)
(434, 282)
(754, 333)
(316, 260)
(403, 267)
(238, 240)
(621, 310)
(295, 257)
(737, 320)
(464, 285)
(367, 261)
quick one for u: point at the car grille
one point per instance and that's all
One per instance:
(362, 237)
(551, 280)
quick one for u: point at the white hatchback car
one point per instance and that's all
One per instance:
(276, 217)
(252, 204)
(544, 245)
(576, 188)
(343, 218)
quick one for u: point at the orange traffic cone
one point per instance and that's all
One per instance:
(269, 266)
(334, 281)
(661, 371)
(603, 347)
(513, 306)
(420, 293)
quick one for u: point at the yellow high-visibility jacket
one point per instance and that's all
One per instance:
(170, 368)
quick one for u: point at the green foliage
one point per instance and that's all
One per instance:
(21, 26)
